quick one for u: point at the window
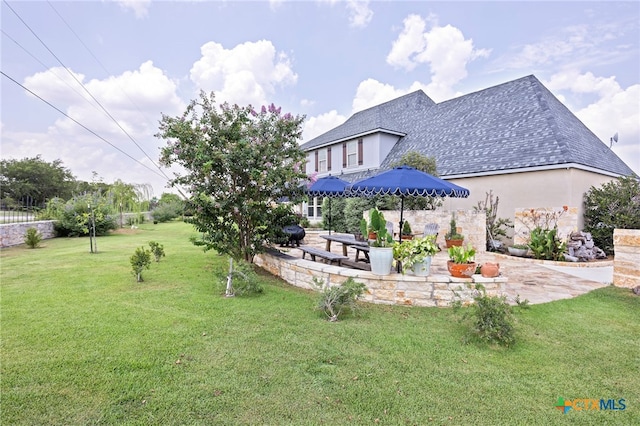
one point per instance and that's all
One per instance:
(323, 160)
(352, 154)
(314, 208)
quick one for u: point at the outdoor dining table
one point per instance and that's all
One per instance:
(347, 241)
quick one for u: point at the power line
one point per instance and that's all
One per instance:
(86, 90)
(81, 125)
(47, 68)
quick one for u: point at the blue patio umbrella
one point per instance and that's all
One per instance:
(403, 181)
(331, 187)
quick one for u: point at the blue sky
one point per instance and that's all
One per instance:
(322, 59)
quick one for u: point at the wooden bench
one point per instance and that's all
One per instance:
(327, 255)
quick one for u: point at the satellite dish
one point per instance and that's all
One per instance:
(613, 140)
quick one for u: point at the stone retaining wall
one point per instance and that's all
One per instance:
(526, 219)
(12, 234)
(398, 289)
(626, 263)
(469, 223)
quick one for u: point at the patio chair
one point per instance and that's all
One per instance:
(390, 228)
(431, 229)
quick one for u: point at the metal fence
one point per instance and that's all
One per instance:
(26, 212)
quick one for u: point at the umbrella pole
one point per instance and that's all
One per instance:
(400, 230)
(329, 215)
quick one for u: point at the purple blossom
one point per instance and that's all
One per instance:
(313, 177)
(264, 109)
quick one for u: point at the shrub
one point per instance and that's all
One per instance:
(338, 220)
(140, 260)
(334, 300)
(157, 250)
(615, 204)
(166, 212)
(492, 319)
(32, 238)
(545, 244)
(244, 280)
(75, 218)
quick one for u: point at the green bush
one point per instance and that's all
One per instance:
(157, 250)
(244, 280)
(166, 212)
(545, 244)
(334, 300)
(492, 319)
(32, 238)
(74, 219)
(615, 204)
(338, 223)
(140, 260)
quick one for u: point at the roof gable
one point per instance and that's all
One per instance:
(392, 116)
(511, 126)
(514, 125)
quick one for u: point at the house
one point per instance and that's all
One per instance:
(516, 139)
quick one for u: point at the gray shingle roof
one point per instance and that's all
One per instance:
(394, 116)
(514, 125)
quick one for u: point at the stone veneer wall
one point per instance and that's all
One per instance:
(469, 223)
(567, 222)
(12, 234)
(626, 263)
(398, 289)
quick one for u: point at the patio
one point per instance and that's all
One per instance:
(529, 279)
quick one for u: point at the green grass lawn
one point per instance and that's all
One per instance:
(83, 343)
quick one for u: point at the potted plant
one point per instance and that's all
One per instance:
(461, 262)
(416, 254)
(406, 231)
(452, 237)
(520, 250)
(381, 248)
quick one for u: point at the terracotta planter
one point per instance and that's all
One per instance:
(373, 235)
(407, 237)
(451, 243)
(461, 270)
(490, 270)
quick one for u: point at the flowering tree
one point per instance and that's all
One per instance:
(238, 164)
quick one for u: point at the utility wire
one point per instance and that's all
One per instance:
(48, 69)
(81, 125)
(104, 68)
(86, 90)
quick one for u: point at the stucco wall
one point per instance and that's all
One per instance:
(12, 234)
(530, 189)
(626, 263)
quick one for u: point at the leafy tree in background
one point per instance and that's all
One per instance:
(239, 163)
(74, 216)
(616, 204)
(425, 164)
(34, 179)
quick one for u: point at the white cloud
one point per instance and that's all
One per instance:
(139, 7)
(135, 98)
(576, 46)
(615, 110)
(360, 15)
(444, 49)
(246, 74)
(315, 126)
